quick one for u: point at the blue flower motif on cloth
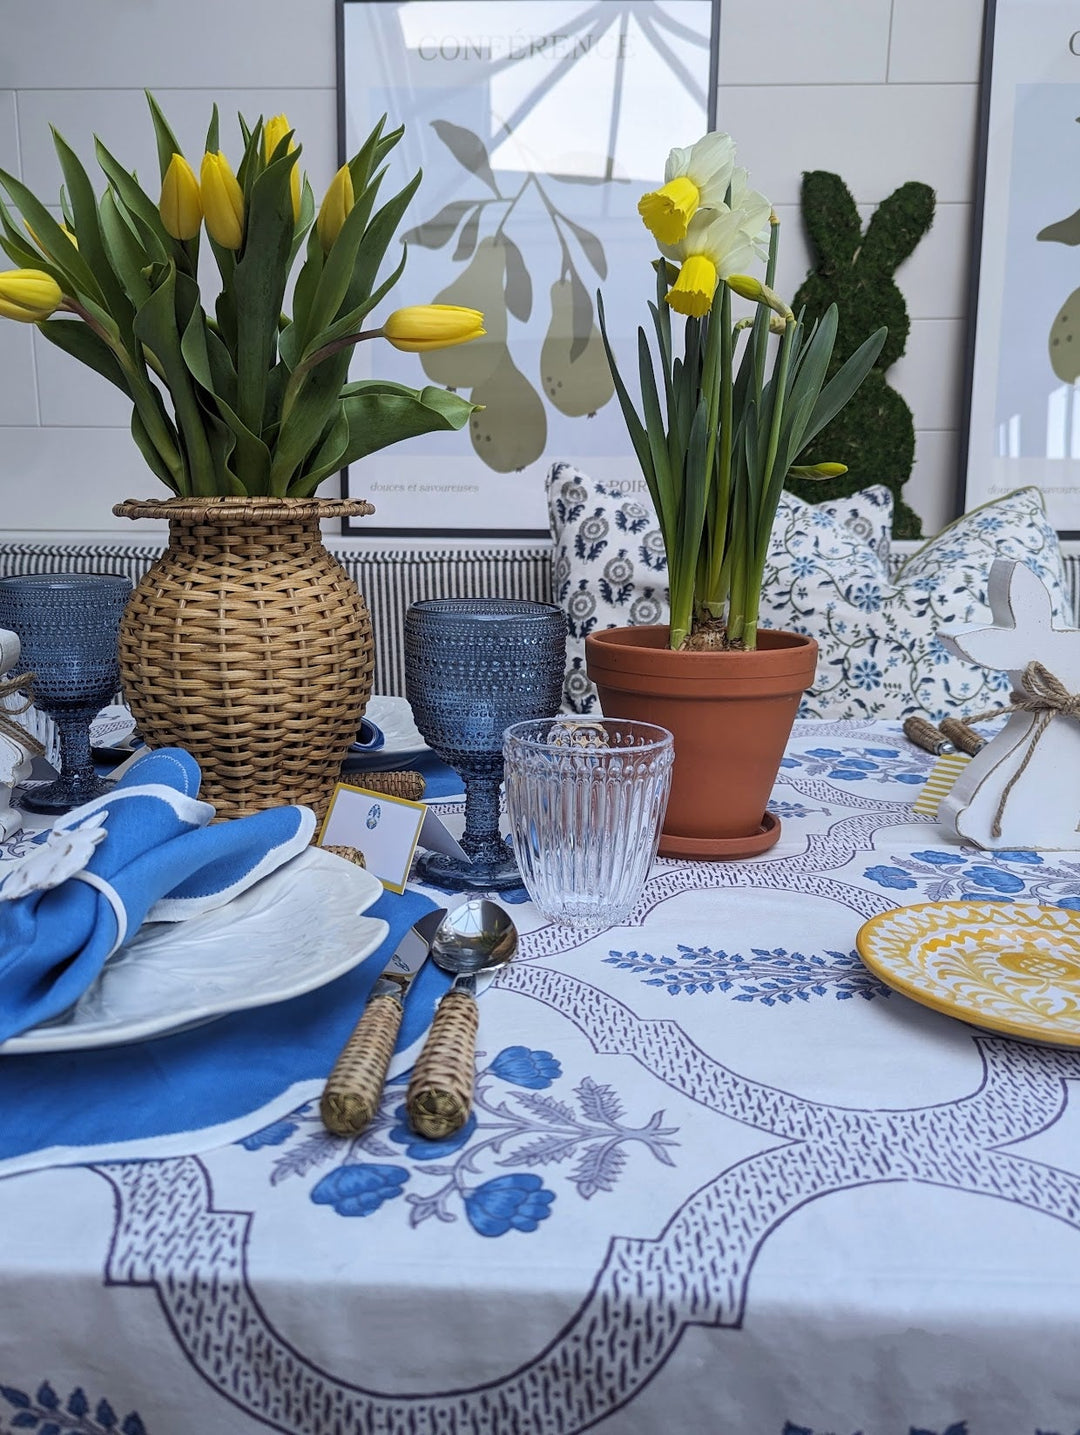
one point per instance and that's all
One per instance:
(968, 872)
(419, 1148)
(45, 1414)
(524, 1067)
(357, 1190)
(273, 1135)
(767, 977)
(374, 814)
(958, 1427)
(867, 764)
(520, 1201)
(523, 1125)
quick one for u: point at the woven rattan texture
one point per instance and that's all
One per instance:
(350, 854)
(441, 1088)
(409, 785)
(351, 1095)
(247, 644)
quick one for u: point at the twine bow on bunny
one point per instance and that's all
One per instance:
(1047, 697)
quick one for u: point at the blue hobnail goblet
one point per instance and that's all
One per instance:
(473, 666)
(68, 626)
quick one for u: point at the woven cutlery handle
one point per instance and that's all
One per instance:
(351, 1096)
(440, 1091)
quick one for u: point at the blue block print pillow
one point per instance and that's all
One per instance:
(828, 575)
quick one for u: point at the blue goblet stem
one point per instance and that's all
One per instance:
(76, 762)
(481, 839)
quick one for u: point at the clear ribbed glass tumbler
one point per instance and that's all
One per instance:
(586, 799)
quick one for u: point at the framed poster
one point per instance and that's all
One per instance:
(1024, 399)
(537, 124)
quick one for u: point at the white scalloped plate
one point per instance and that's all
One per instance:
(294, 931)
(1009, 967)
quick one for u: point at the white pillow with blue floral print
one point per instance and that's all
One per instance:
(879, 653)
(827, 575)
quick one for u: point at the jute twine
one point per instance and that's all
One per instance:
(1047, 697)
(15, 731)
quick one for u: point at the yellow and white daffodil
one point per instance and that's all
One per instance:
(694, 179)
(717, 243)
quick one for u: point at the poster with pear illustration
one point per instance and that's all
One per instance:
(534, 123)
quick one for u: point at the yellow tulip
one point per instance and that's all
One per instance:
(432, 326)
(222, 201)
(333, 211)
(28, 295)
(274, 131)
(180, 204)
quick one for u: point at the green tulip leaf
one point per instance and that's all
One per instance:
(73, 336)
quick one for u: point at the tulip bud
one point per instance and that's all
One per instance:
(28, 295)
(274, 131)
(432, 326)
(33, 235)
(180, 205)
(335, 207)
(222, 201)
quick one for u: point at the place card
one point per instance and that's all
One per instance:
(387, 830)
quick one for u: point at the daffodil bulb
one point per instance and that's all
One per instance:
(180, 206)
(694, 179)
(432, 326)
(222, 201)
(28, 295)
(715, 246)
(274, 131)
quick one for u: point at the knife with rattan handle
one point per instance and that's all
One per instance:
(351, 1096)
(354, 1087)
(440, 1091)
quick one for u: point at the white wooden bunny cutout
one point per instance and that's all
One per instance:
(18, 745)
(1023, 788)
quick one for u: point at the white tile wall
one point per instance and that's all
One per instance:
(879, 91)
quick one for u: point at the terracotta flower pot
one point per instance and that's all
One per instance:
(731, 715)
(249, 645)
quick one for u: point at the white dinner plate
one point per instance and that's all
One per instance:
(402, 745)
(294, 931)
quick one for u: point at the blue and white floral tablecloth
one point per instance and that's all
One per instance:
(718, 1179)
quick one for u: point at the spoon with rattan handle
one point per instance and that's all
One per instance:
(477, 937)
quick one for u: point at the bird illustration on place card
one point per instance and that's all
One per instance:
(1022, 789)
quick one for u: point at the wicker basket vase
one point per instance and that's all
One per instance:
(249, 645)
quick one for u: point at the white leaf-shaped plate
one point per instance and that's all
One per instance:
(294, 931)
(1008, 966)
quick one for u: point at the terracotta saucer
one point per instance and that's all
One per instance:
(702, 849)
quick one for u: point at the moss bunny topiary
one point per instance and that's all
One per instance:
(874, 434)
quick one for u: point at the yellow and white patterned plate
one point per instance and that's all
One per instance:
(1010, 967)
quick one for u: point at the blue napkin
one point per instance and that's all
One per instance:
(145, 849)
(369, 738)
